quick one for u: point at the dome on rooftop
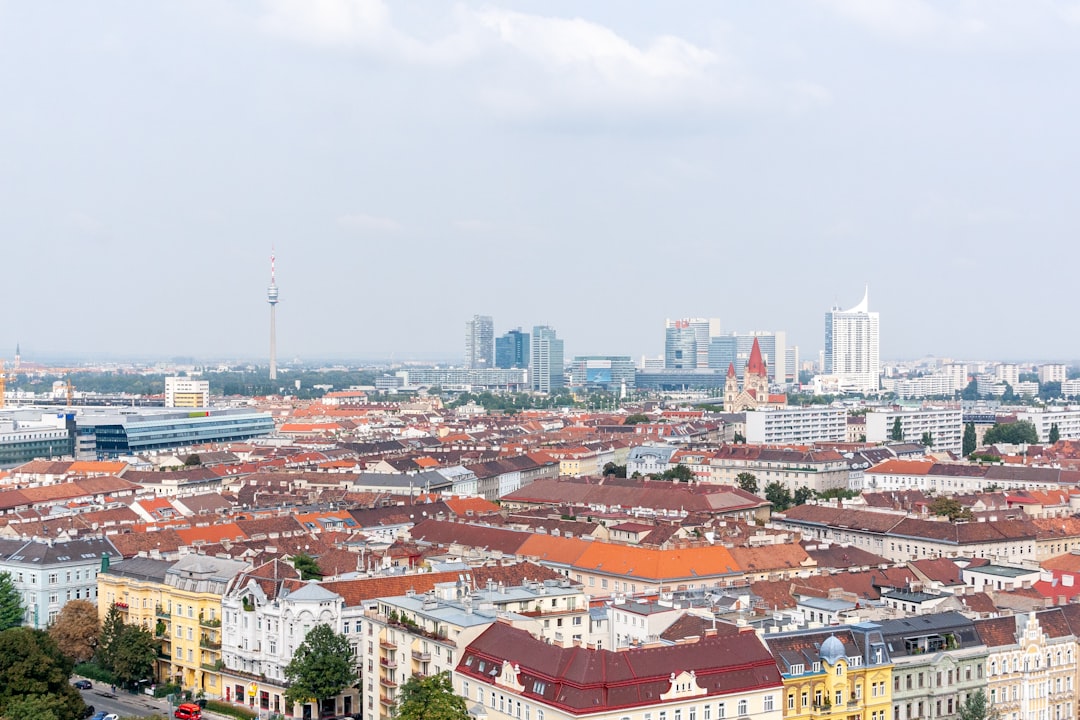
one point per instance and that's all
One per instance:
(832, 650)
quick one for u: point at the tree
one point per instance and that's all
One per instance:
(970, 442)
(1055, 434)
(897, 434)
(76, 630)
(680, 472)
(615, 470)
(635, 419)
(1017, 433)
(739, 438)
(802, 495)
(321, 667)
(927, 439)
(307, 567)
(430, 698)
(976, 707)
(950, 508)
(192, 460)
(747, 481)
(133, 655)
(34, 678)
(971, 392)
(778, 494)
(111, 629)
(11, 609)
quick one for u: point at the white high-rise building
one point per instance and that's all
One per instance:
(184, 392)
(480, 343)
(546, 371)
(852, 354)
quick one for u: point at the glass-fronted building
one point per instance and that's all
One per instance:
(111, 432)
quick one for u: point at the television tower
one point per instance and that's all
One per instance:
(272, 298)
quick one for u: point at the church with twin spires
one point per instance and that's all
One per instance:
(754, 393)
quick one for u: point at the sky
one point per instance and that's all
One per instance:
(593, 166)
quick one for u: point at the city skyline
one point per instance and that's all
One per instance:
(572, 165)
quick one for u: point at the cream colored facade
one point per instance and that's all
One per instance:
(1034, 678)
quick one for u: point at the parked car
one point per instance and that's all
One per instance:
(88, 712)
(83, 684)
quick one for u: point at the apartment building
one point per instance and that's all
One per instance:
(508, 674)
(841, 672)
(944, 425)
(938, 661)
(791, 425)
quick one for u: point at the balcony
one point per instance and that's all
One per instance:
(209, 644)
(387, 700)
(161, 612)
(387, 645)
(211, 623)
(388, 662)
(421, 656)
(387, 682)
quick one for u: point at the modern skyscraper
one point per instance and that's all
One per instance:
(703, 329)
(272, 298)
(851, 347)
(480, 343)
(512, 350)
(546, 368)
(680, 346)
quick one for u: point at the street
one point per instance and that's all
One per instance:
(123, 703)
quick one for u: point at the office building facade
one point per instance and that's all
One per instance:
(110, 432)
(852, 354)
(606, 372)
(512, 350)
(480, 342)
(546, 367)
(186, 392)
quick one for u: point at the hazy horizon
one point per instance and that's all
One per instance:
(597, 167)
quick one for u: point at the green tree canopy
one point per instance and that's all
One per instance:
(636, 418)
(950, 508)
(1055, 434)
(802, 495)
(897, 432)
(111, 629)
(778, 494)
(34, 678)
(1018, 433)
(977, 707)
(11, 609)
(970, 441)
(307, 567)
(615, 470)
(927, 439)
(321, 667)
(75, 630)
(430, 698)
(747, 481)
(133, 655)
(680, 472)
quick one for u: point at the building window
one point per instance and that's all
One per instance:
(767, 705)
(743, 707)
(721, 711)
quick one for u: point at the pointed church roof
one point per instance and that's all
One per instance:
(756, 365)
(731, 368)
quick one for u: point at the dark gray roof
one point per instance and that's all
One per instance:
(141, 569)
(40, 553)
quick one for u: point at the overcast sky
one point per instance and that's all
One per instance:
(595, 166)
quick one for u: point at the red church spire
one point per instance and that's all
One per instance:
(756, 365)
(731, 369)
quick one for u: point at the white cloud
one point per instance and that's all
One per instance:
(368, 224)
(531, 65)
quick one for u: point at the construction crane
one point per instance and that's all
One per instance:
(70, 391)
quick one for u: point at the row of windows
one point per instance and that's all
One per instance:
(913, 680)
(1016, 664)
